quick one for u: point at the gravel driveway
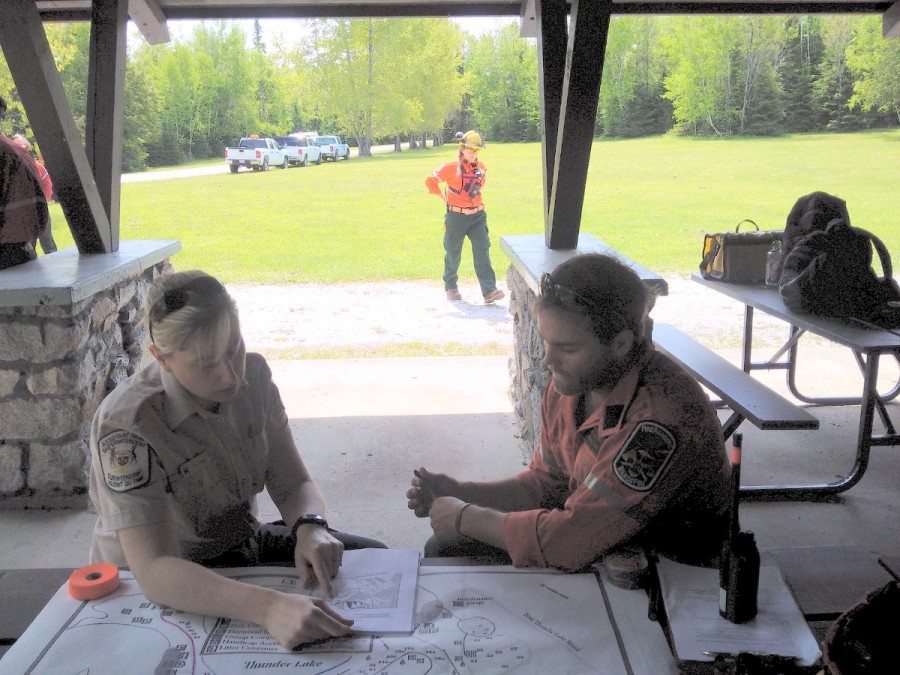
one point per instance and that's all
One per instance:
(288, 321)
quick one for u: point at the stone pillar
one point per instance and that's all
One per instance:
(71, 329)
(530, 258)
(528, 376)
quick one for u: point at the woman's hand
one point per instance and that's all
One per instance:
(296, 619)
(317, 556)
(426, 487)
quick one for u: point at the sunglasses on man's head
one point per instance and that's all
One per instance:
(177, 298)
(563, 295)
(571, 300)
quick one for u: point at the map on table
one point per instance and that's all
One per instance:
(467, 619)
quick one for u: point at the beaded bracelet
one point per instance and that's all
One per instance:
(459, 517)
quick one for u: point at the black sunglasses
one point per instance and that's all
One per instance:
(573, 301)
(563, 295)
(177, 298)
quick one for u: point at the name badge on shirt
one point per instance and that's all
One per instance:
(644, 456)
(125, 459)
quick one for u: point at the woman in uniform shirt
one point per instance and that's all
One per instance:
(181, 449)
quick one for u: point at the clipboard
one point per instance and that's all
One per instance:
(778, 640)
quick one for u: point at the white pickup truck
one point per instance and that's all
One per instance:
(333, 148)
(257, 154)
(300, 150)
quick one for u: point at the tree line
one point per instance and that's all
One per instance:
(389, 80)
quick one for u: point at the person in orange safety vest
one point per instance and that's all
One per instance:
(465, 217)
(631, 453)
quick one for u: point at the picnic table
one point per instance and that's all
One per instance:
(867, 344)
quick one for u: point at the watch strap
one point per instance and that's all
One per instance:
(308, 519)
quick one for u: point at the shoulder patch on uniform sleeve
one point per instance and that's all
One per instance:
(644, 456)
(125, 460)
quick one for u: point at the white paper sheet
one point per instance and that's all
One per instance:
(375, 587)
(691, 596)
(467, 620)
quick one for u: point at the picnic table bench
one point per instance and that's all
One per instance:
(745, 396)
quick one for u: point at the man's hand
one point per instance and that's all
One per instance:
(426, 487)
(317, 556)
(444, 512)
(296, 619)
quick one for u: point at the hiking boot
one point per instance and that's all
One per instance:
(489, 298)
(453, 294)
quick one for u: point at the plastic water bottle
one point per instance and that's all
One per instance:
(773, 264)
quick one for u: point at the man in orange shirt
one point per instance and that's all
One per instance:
(631, 451)
(465, 217)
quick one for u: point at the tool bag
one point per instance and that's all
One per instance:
(739, 257)
(863, 640)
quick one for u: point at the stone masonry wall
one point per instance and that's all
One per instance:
(528, 376)
(57, 363)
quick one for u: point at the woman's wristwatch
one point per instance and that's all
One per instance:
(308, 519)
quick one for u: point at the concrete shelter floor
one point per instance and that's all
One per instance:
(363, 425)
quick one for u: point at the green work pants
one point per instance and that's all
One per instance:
(458, 226)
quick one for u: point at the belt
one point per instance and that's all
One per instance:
(468, 210)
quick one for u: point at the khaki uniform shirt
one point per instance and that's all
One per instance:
(159, 457)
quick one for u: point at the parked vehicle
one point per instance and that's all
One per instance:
(333, 148)
(256, 153)
(300, 150)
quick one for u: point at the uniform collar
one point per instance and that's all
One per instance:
(180, 403)
(612, 412)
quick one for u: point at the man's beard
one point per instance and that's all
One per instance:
(605, 374)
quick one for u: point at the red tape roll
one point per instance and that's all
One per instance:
(94, 581)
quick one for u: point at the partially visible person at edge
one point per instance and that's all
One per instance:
(24, 215)
(631, 451)
(48, 244)
(179, 452)
(465, 217)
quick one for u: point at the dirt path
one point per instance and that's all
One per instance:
(286, 321)
(211, 170)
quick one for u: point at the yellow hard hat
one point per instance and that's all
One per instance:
(471, 139)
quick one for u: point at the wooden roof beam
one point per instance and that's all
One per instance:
(528, 19)
(890, 22)
(585, 54)
(31, 64)
(104, 118)
(150, 20)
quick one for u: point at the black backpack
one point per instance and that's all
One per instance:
(827, 266)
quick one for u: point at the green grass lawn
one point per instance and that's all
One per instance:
(371, 219)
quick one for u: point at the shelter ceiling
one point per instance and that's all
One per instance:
(150, 16)
(210, 9)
